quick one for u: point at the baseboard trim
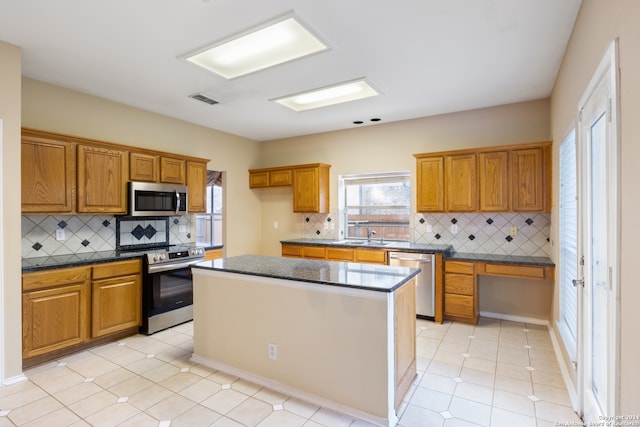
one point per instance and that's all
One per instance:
(513, 318)
(571, 388)
(14, 380)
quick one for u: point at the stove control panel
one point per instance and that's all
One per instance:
(175, 255)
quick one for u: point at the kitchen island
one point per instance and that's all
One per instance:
(339, 335)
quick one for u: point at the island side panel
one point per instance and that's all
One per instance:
(332, 342)
(405, 339)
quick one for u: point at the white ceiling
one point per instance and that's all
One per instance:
(426, 57)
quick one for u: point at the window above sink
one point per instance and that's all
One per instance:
(374, 207)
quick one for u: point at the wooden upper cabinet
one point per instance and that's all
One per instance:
(271, 177)
(529, 180)
(493, 182)
(197, 183)
(172, 170)
(430, 188)
(144, 167)
(102, 179)
(461, 183)
(508, 178)
(48, 174)
(311, 189)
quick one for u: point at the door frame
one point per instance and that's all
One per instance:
(607, 69)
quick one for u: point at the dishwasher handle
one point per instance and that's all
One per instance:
(426, 258)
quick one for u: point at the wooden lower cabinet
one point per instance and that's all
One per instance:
(331, 253)
(213, 254)
(116, 297)
(55, 310)
(460, 291)
(67, 309)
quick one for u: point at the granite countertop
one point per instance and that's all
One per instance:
(88, 258)
(373, 277)
(447, 251)
(502, 259)
(375, 244)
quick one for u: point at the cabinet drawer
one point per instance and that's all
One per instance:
(116, 269)
(461, 284)
(339, 254)
(371, 256)
(459, 267)
(291, 251)
(459, 305)
(313, 252)
(528, 271)
(52, 278)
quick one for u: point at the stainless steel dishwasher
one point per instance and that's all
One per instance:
(425, 285)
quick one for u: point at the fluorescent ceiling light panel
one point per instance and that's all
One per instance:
(332, 95)
(281, 42)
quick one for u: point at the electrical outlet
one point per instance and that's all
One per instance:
(326, 225)
(429, 228)
(275, 224)
(273, 351)
(454, 228)
(182, 228)
(60, 234)
(513, 230)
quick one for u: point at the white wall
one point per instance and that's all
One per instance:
(390, 147)
(10, 283)
(598, 24)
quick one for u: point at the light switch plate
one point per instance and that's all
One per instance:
(60, 234)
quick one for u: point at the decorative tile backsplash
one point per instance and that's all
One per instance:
(477, 232)
(93, 233)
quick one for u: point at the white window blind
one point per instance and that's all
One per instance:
(568, 237)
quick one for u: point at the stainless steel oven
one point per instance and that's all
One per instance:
(167, 288)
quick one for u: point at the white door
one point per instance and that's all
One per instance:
(598, 210)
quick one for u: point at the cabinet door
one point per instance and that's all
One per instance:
(279, 178)
(493, 181)
(144, 167)
(311, 190)
(528, 179)
(258, 179)
(102, 180)
(48, 171)
(461, 183)
(340, 254)
(116, 304)
(172, 170)
(197, 182)
(430, 184)
(55, 310)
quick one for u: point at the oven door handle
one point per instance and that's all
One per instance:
(172, 266)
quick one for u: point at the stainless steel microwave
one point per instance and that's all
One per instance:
(150, 199)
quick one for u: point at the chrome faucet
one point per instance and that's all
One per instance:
(370, 233)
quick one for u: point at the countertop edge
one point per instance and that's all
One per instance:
(208, 265)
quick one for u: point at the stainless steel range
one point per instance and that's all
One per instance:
(167, 287)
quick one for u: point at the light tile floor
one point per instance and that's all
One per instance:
(497, 373)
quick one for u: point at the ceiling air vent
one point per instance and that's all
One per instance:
(203, 98)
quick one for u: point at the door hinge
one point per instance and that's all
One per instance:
(578, 282)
